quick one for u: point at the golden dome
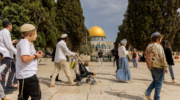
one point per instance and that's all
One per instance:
(96, 31)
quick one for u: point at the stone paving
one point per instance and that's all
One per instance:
(107, 87)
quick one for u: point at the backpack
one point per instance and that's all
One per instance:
(134, 55)
(149, 58)
(100, 54)
(53, 54)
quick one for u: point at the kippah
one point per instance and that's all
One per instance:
(154, 34)
(64, 36)
(27, 27)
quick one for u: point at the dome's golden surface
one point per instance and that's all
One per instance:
(96, 31)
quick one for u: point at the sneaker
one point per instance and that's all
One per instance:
(7, 91)
(12, 88)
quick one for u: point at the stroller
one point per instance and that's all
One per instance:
(81, 72)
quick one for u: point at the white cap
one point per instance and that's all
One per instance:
(27, 27)
(64, 36)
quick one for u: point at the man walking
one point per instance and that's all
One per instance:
(53, 57)
(100, 54)
(60, 60)
(7, 48)
(135, 58)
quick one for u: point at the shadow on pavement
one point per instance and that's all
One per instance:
(141, 79)
(170, 83)
(104, 73)
(124, 96)
(47, 81)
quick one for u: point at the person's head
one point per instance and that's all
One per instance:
(29, 32)
(86, 64)
(36, 49)
(134, 50)
(156, 37)
(124, 42)
(1, 56)
(7, 24)
(64, 37)
(100, 50)
(119, 45)
(166, 44)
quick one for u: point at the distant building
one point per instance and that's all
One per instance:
(98, 40)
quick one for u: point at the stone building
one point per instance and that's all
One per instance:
(98, 40)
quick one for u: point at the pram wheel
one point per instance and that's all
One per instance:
(79, 83)
(88, 81)
(93, 82)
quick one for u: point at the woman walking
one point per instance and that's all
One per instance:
(123, 72)
(169, 59)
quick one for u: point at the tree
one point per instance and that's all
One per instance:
(42, 13)
(146, 17)
(70, 20)
(176, 43)
(18, 16)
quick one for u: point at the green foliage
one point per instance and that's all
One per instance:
(18, 16)
(176, 44)
(146, 17)
(51, 19)
(85, 50)
(70, 20)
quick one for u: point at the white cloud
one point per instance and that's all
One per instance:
(106, 6)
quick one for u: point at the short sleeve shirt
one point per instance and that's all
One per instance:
(25, 69)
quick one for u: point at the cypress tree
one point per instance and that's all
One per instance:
(70, 20)
(18, 16)
(146, 17)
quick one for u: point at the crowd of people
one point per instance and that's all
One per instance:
(158, 58)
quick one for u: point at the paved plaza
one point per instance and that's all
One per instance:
(107, 87)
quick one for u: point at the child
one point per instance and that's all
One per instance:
(86, 64)
(2, 67)
(157, 64)
(26, 64)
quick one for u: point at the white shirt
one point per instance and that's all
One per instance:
(25, 69)
(87, 68)
(61, 52)
(122, 52)
(6, 46)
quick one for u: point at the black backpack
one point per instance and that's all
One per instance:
(53, 54)
(100, 54)
(134, 55)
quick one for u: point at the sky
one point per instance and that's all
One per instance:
(107, 13)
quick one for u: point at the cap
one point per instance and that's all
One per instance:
(154, 34)
(64, 36)
(27, 27)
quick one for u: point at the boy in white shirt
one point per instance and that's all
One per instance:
(26, 64)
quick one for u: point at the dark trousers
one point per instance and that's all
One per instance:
(11, 65)
(31, 88)
(117, 63)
